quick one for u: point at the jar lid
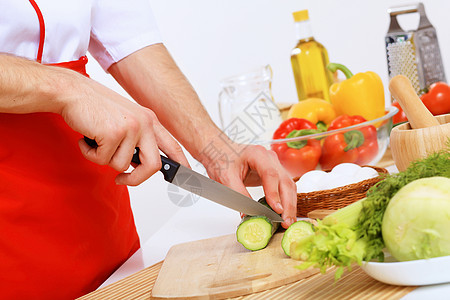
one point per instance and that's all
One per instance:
(301, 15)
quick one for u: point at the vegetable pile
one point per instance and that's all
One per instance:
(355, 100)
(359, 146)
(355, 233)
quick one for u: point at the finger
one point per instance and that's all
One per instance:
(122, 158)
(85, 149)
(150, 163)
(288, 193)
(253, 179)
(102, 154)
(269, 178)
(169, 145)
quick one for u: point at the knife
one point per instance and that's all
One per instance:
(205, 187)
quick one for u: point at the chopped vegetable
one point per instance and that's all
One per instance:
(296, 231)
(354, 233)
(410, 235)
(255, 232)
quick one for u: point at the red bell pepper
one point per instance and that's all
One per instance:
(357, 146)
(437, 100)
(297, 157)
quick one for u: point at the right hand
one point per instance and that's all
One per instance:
(118, 125)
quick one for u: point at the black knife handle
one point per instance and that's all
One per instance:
(169, 167)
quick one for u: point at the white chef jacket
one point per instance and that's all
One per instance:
(109, 29)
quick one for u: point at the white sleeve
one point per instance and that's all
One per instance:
(120, 28)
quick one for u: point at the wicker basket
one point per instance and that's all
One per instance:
(335, 198)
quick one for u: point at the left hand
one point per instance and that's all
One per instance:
(239, 166)
(152, 78)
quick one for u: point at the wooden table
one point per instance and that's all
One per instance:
(353, 285)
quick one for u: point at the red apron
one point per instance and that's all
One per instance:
(65, 226)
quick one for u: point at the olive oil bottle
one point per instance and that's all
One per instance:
(309, 60)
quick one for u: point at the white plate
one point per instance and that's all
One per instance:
(415, 272)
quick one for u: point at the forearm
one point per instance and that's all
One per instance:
(153, 79)
(27, 86)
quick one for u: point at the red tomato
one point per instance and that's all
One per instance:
(437, 100)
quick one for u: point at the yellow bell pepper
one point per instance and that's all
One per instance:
(360, 94)
(315, 110)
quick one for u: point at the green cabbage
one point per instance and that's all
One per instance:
(416, 223)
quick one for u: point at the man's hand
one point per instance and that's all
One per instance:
(118, 126)
(253, 166)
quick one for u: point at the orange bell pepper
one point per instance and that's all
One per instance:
(318, 111)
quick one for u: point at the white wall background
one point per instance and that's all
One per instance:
(211, 40)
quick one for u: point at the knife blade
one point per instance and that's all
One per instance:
(205, 187)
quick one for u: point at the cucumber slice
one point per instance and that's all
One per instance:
(296, 231)
(255, 232)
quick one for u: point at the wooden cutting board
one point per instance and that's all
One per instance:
(220, 268)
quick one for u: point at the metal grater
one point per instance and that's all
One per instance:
(414, 54)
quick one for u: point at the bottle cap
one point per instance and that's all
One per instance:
(301, 15)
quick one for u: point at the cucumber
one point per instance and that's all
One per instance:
(255, 232)
(296, 231)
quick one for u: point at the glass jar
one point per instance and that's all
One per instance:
(247, 110)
